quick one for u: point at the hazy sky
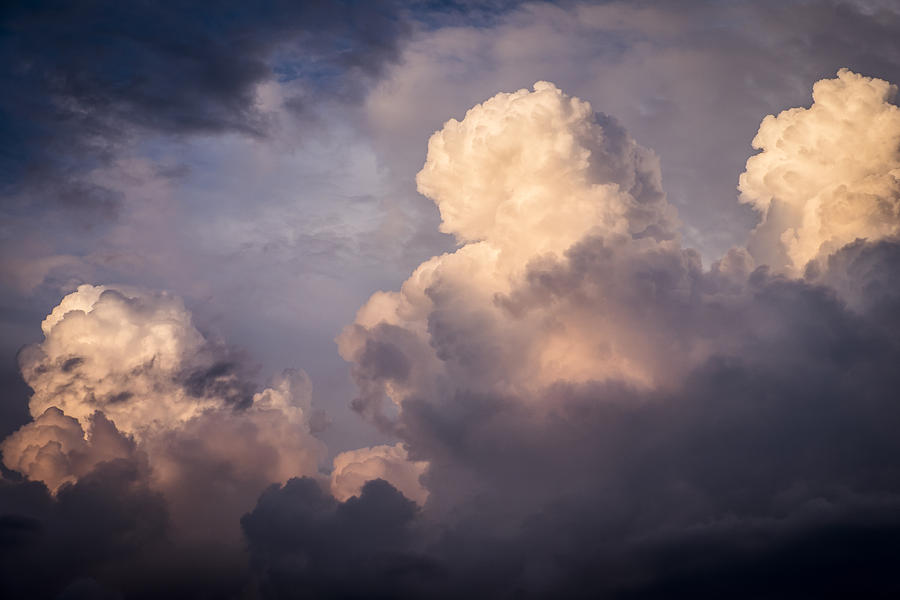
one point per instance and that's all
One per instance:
(510, 258)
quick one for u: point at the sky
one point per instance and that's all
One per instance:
(339, 299)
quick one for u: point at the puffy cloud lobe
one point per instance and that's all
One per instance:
(180, 481)
(127, 353)
(827, 174)
(56, 450)
(862, 273)
(540, 168)
(352, 469)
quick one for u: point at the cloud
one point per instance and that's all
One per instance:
(303, 539)
(352, 469)
(493, 174)
(55, 449)
(588, 403)
(135, 356)
(123, 373)
(520, 180)
(777, 452)
(177, 69)
(827, 174)
(570, 269)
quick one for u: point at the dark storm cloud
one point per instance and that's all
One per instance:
(78, 76)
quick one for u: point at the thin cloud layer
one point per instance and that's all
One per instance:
(55, 449)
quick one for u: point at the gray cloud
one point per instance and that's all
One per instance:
(177, 68)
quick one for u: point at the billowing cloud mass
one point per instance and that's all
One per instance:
(579, 407)
(520, 180)
(124, 371)
(55, 449)
(135, 356)
(571, 269)
(533, 171)
(827, 174)
(593, 403)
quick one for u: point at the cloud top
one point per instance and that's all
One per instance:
(540, 168)
(828, 174)
(127, 353)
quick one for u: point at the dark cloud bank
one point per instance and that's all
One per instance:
(81, 77)
(723, 432)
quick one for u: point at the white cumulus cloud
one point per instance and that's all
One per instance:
(123, 373)
(827, 174)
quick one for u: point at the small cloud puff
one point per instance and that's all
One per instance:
(354, 468)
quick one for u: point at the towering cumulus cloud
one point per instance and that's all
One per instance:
(525, 182)
(827, 174)
(134, 356)
(123, 374)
